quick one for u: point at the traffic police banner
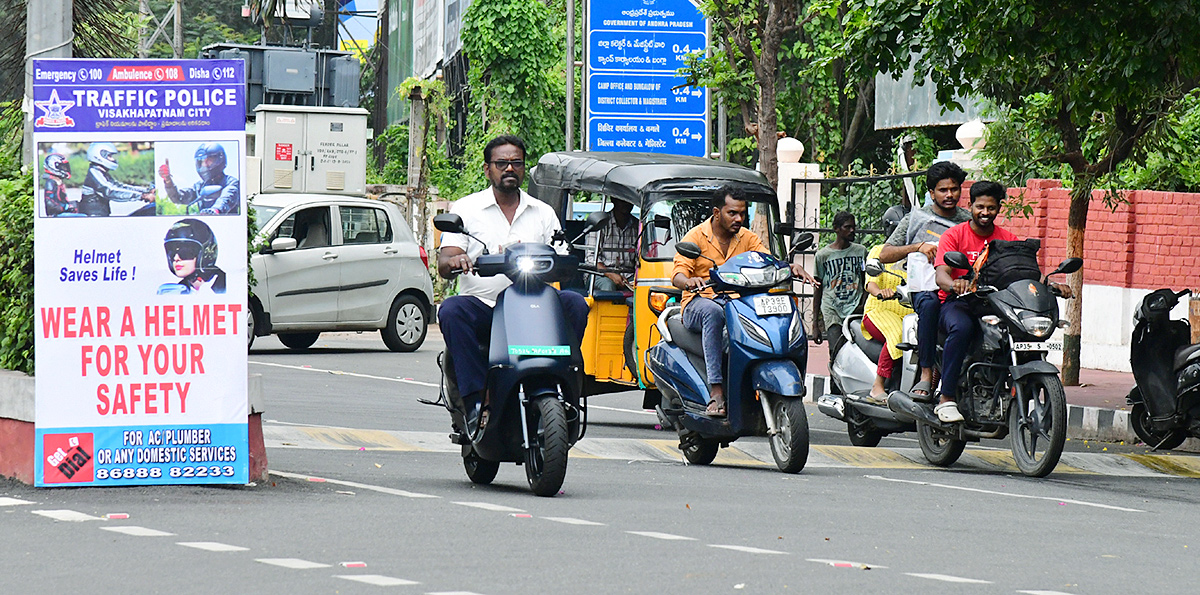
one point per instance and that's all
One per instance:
(140, 280)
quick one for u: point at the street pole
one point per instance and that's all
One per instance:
(48, 34)
(570, 75)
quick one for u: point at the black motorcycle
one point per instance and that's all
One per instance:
(533, 388)
(1166, 367)
(1006, 385)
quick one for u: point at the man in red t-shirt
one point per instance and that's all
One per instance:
(955, 319)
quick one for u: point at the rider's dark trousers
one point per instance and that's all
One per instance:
(465, 321)
(927, 306)
(960, 327)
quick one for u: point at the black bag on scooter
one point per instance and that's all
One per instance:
(1005, 262)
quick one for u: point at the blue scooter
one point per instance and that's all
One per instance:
(766, 360)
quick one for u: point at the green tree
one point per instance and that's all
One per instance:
(1107, 72)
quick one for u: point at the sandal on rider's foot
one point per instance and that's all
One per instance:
(948, 412)
(715, 409)
(922, 392)
(879, 399)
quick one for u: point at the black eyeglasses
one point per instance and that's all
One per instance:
(186, 250)
(503, 164)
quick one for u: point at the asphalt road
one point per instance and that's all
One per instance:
(364, 474)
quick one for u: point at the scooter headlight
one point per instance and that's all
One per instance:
(1038, 326)
(782, 274)
(759, 277)
(734, 278)
(756, 332)
(526, 264)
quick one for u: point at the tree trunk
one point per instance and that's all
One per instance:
(1081, 198)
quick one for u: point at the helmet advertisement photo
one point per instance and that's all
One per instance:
(191, 239)
(103, 154)
(210, 162)
(57, 165)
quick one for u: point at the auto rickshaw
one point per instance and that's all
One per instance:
(670, 194)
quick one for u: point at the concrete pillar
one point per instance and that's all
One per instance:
(48, 34)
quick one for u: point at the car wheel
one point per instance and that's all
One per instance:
(249, 327)
(298, 341)
(406, 325)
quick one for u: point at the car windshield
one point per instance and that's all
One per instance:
(684, 213)
(263, 214)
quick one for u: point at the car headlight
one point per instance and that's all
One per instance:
(1038, 326)
(796, 328)
(756, 332)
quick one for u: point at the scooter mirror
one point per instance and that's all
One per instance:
(595, 220)
(802, 241)
(784, 228)
(873, 268)
(449, 223)
(1069, 266)
(662, 222)
(688, 249)
(958, 260)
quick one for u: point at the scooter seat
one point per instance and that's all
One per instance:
(870, 347)
(686, 339)
(1186, 353)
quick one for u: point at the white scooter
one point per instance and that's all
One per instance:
(852, 374)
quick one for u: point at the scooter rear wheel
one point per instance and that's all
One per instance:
(700, 451)
(546, 457)
(1139, 418)
(861, 436)
(789, 445)
(938, 447)
(478, 470)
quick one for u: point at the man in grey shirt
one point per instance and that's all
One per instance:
(840, 272)
(916, 238)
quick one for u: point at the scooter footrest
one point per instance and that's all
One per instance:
(459, 439)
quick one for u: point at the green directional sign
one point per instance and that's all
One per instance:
(541, 350)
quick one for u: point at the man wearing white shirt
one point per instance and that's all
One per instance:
(499, 216)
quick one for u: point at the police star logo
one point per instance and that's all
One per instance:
(55, 112)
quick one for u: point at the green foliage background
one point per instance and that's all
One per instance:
(16, 249)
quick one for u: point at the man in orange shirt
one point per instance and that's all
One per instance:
(720, 238)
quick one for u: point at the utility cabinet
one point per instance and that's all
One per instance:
(311, 149)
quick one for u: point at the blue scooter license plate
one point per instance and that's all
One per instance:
(767, 305)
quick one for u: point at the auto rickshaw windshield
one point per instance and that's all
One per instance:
(678, 213)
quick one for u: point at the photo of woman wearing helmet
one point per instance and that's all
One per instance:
(211, 188)
(191, 250)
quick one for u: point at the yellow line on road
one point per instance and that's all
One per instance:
(353, 439)
(875, 458)
(1173, 465)
(1003, 461)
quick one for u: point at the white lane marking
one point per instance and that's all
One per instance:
(376, 579)
(489, 506)
(1044, 593)
(341, 373)
(13, 502)
(453, 593)
(355, 484)
(136, 531)
(657, 535)
(1006, 494)
(623, 410)
(570, 521)
(747, 549)
(213, 546)
(844, 563)
(67, 515)
(947, 578)
(293, 563)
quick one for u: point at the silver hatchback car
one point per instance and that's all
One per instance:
(337, 263)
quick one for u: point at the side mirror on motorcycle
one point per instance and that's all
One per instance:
(958, 260)
(873, 268)
(688, 249)
(662, 222)
(449, 223)
(1068, 266)
(592, 223)
(801, 241)
(784, 228)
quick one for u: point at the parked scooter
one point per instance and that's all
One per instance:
(534, 377)
(852, 374)
(1166, 367)
(1006, 384)
(766, 360)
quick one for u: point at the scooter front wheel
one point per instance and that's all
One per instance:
(938, 447)
(478, 470)
(789, 445)
(546, 457)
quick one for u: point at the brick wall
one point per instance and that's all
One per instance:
(1151, 241)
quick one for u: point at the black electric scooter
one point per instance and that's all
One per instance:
(1166, 399)
(535, 370)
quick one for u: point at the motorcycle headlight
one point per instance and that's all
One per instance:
(764, 276)
(734, 279)
(526, 264)
(756, 332)
(796, 328)
(1038, 326)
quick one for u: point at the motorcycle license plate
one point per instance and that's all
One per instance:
(766, 305)
(1034, 346)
